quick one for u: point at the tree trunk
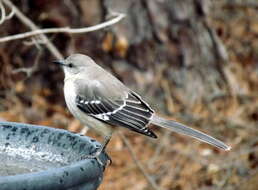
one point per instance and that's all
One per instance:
(177, 34)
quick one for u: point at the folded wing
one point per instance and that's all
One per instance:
(130, 112)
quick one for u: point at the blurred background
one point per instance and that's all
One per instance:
(194, 61)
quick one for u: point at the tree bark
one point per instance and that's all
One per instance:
(178, 34)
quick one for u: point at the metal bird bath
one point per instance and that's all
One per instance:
(42, 158)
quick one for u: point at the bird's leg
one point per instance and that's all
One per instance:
(99, 151)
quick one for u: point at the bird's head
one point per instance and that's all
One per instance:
(75, 64)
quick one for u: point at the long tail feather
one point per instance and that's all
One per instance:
(180, 128)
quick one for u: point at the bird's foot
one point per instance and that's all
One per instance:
(96, 156)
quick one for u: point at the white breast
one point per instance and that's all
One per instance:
(70, 96)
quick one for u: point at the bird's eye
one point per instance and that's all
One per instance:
(70, 65)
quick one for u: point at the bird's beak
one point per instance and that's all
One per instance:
(59, 62)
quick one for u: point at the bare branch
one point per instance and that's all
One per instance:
(34, 41)
(159, 148)
(41, 32)
(138, 163)
(11, 14)
(63, 30)
(3, 16)
(26, 21)
(29, 71)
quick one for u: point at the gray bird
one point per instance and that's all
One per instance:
(100, 101)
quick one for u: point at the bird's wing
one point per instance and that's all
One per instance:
(127, 110)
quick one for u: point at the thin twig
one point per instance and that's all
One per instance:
(34, 41)
(7, 17)
(29, 71)
(26, 21)
(138, 163)
(159, 148)
(2, 9)
(41, 32)
(4, 16)
(63, 30)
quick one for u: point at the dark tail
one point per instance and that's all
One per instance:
(182, 129)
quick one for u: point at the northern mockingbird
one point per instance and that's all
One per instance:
(100, 101)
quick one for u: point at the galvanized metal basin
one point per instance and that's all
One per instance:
(42, 158)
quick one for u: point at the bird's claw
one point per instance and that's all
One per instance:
(96, 156)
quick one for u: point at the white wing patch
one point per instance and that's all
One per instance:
(90, 102)
(105, 116)
(131, 112)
